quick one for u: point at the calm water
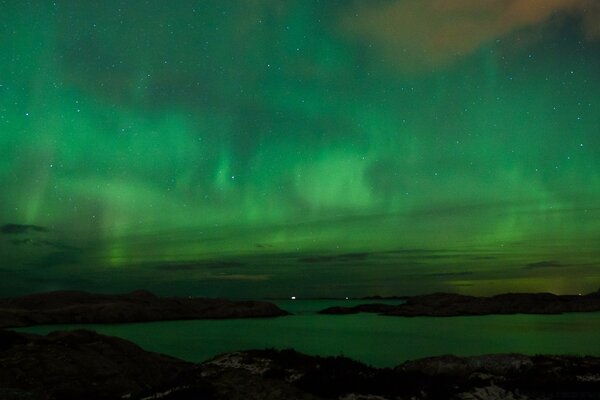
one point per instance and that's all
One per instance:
(377, 340)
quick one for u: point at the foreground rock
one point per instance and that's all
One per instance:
(83, 365)
(86, 365)
(501, 376)
(450, 305)
(76, 307)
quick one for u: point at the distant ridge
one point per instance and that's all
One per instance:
(452, 305)
(78, 307)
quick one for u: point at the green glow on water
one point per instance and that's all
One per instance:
(380, 341)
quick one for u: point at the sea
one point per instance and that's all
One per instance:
(381, 341)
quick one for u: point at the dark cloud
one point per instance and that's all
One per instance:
(60, 282)
(456, 274)
(16, 229)
(36, 242)
(240, 277)
(58, 258)
(440, 256)
(201, 265)
(544, 264)
(450, 274)
(424, 254)
(26, 242)
(416, 252)
(348, 257)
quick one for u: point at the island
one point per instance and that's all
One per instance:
(452, 305)
(79, 307)
(83, 364)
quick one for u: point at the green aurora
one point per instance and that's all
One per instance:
(315, 148)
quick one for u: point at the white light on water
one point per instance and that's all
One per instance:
(293, 297)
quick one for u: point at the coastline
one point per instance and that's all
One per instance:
(78, 307)
(454, 305)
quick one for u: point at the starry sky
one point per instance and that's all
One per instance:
(263, 148)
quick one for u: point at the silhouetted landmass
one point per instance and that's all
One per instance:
(17, 229)
(86, 365)
(451, 305)
(82, 365)
(77, 307)
(544, 264)
(347, 257)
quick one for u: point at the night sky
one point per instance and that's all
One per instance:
(268, 148)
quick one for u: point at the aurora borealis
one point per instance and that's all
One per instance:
(316, 148)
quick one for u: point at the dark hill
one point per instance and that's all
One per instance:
(450, 305)
(76, 307)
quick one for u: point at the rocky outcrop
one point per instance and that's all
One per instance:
(85, 365)
(76, 307)
(512, 376)
(367, 308)
(497, 376)
(450, 305)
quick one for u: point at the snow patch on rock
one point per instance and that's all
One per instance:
(238, 360)
(491, 392)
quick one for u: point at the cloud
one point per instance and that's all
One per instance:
(450, 274)
(263, 246)
(58, 258)
(422, 35)
(36, 242)
(201, 265)
(16, 229)
(241, 277)
(424, 254)
(441, 274)
(544, 264)
(348, 257)
(415, 252)
(19, 242)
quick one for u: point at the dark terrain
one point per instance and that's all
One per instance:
(77, 307)
(86, 365)
(451, 305)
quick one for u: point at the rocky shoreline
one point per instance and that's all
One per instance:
(84, 364)
(78, 307)
(452, 305)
